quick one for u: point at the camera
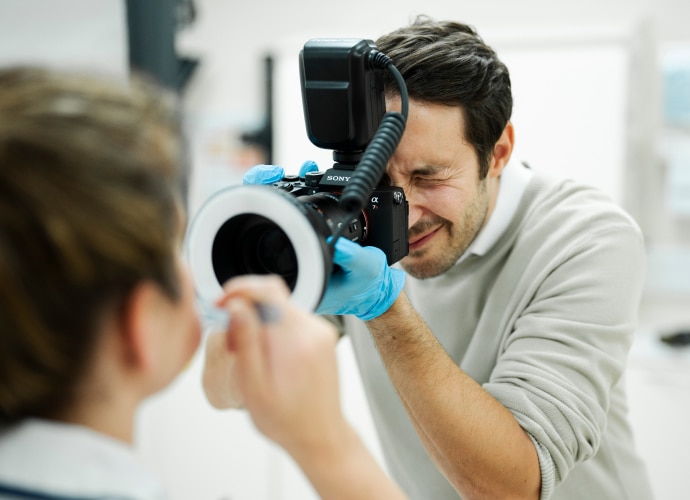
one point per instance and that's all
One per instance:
(289, 227)
(382, 221)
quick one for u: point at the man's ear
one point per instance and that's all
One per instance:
(502, 151)
(140, 323)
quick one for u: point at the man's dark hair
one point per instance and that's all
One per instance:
(448, 63)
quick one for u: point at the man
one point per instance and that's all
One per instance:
(493, 361)
(498, 371)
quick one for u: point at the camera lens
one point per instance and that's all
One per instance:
(249, 229)
(252, 244)
(274, 253)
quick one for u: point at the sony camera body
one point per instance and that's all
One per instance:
(344, 106)
(382, 222)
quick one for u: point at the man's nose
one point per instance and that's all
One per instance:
(414, 210)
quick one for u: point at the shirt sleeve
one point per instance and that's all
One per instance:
(568, 344)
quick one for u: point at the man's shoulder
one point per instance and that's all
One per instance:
(551, 201)
(558, 218)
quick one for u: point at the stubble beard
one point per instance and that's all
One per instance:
(441, 255)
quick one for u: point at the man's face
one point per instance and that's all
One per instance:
(439, 172)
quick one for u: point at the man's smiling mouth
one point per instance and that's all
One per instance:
(420, 241)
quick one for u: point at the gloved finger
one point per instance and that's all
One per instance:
(345, 252)
(348, 254)
(263, 174)
(367, 262)
(308, 166)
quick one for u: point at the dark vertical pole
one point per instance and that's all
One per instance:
(268, 69)
(151, 37)
(263, 137)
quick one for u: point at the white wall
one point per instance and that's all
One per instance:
(232, 35)
(80, 34)
(206, 454)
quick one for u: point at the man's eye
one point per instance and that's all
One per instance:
(426, 181)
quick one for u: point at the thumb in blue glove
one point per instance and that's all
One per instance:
(263, 174)
(269, 174)
(364, 285)
(308, 166)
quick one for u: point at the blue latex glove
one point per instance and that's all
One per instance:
(308, 166)
(263, 174)
(364, 285)
(268, 174)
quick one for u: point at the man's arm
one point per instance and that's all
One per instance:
(471, 437)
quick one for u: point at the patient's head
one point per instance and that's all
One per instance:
(92, 187)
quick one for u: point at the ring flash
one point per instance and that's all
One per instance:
(258, 230)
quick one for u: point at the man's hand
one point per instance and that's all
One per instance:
(268, 174)
(363, 284)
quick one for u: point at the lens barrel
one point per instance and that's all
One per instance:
(251, 243)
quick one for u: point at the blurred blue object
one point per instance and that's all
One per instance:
(308, 166)
(268, 174)
(263, 174)
(676, 86)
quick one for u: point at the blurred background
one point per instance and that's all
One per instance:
(602, 94)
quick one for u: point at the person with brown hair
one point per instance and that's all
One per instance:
(497, 371)
(98, 311)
